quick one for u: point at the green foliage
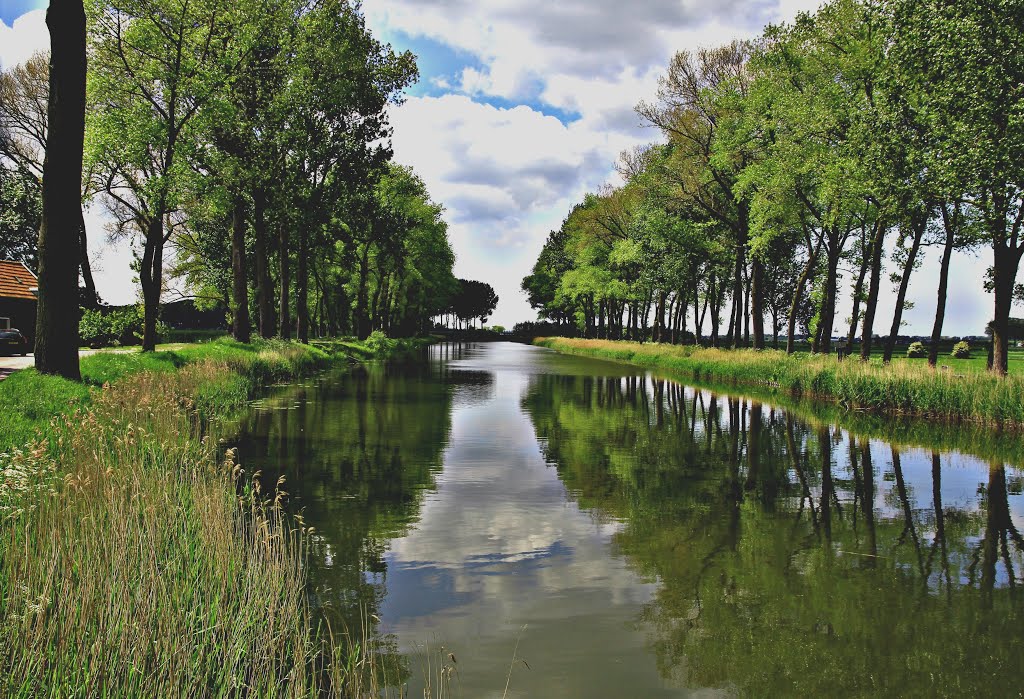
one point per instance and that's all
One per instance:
(916, 350)
(20, 216)
(113, 328)
(119, 327)
(379, 344)
(961, 350)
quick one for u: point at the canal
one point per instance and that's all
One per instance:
(578, 528)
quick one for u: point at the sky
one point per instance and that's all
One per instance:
(523, 107)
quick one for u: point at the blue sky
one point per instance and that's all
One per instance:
(10, 10)
(522, 107)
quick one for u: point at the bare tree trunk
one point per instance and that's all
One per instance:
(828, 303)
(284, 274)
(56, 341)
(1006, 261)
(949, 222)
(240, 327)
(736, 322)
(858, 291)
(302, 287)
(91, 299)
(362, 301)
(264, 285)
(798, 293)
(757, 292)
(919, 223)
(871, 306)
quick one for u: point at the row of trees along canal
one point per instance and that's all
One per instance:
(244, 147)
(871, 125)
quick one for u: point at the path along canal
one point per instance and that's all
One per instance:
(626, 535)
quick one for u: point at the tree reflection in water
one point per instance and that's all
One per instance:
(793, 558)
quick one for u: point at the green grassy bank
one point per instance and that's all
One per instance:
(135, 560)
(901, 388)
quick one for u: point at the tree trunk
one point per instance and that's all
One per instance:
(871, 306)
(151, 279)
(949, 222)
(757, 303)
(264, 285)
(812, 261)
(828, 304)
(240, 328)
(1004, 272)
(659, 318)
(716, 310)
(90, 298)
(858, 291)
(919, 223)
(362, 298)
(302, 287)
(746, 307)
(284, 327)
(56, 341)
(736, 322)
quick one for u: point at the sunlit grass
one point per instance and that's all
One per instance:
(903, 387)
(135, 560)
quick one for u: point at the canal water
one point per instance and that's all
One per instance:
(576, 528)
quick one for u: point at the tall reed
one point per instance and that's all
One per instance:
(131, 567)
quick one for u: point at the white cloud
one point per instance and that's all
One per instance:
(506, 177)
(24, 37)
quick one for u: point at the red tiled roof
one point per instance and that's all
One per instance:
(17, 281)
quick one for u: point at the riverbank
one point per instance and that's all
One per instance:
(899, 389)
(148, 564)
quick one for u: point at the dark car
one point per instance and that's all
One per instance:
(13, 342)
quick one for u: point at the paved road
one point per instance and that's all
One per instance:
(9, 365)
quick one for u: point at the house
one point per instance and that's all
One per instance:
(18, 290)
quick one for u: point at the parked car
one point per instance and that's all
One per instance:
(12, 341)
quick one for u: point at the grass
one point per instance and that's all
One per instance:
(905, 388)
(135, 560)
(31, 400)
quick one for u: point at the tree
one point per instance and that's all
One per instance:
(696, 98)
(155, 65)
(24, 96)
(474, 300)
(964, 59)
(56, 343)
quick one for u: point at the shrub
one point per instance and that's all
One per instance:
(916, 350)
(116, 327)
(961, 350)
(379, 344)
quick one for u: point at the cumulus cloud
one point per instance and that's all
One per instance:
(506, 176)
(26, 35)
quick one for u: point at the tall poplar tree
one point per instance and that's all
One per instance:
(56, 342)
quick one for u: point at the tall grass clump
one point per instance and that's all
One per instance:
(138, 560)
(901, 388)
(132, 567)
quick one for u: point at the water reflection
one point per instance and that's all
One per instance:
(794, 558)
(652, 539)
